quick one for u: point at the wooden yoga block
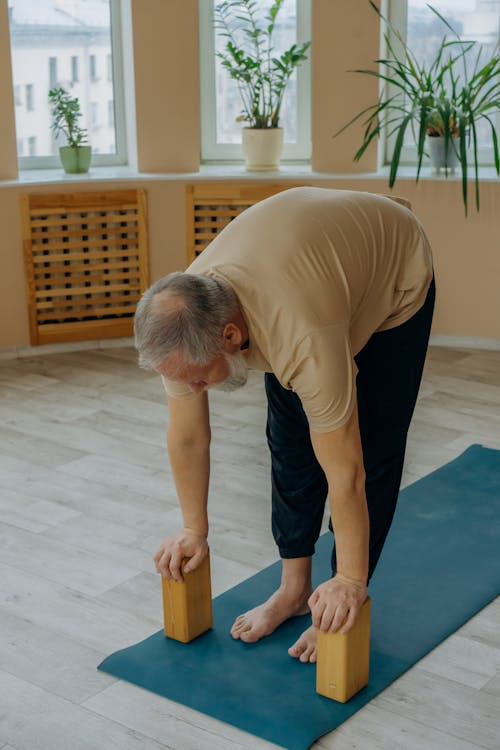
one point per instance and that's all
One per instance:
(187, 605)
(343, 661)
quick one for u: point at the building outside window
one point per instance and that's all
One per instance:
(111, 113)
(18, 99)
(477, 20)
(32, 145)
(109, 68)
(220, 100)
(60, 42)
(94, 115)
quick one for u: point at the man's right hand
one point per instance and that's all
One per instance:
(186, 544)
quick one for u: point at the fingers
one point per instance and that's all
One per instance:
(176, 563)
(193, 563)
(335, 606)
(332, 618)
(180, 554)
(162, 562)
(350, 620)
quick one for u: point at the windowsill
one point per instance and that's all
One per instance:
(226, 172)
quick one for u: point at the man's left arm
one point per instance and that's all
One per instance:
(335, 604)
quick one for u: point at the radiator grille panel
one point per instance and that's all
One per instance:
(86, 263)
(211, 207)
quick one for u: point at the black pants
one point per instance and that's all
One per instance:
(390, 370)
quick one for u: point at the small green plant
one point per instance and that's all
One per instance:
(443, 99)
(65, 115)
(248, 57)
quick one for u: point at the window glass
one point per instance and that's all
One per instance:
(228, 98)
(220, 99)
(62, 43)
(477, 20)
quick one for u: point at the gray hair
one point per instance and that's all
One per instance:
(185, 314)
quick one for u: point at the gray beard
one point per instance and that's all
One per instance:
(238, 373)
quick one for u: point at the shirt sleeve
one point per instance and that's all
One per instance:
(324, 378)
(177, 390)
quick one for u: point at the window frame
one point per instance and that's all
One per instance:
(119, 158)
(396, 13)
(213, 152)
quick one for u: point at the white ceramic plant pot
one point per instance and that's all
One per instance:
(262, 148)
(436, 152)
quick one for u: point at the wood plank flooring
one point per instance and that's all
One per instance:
(86, 497)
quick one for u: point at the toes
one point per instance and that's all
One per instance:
(240, 627)
(296, 650)
(240, 624)
(308, 655)
(304, 657)
(248, 636)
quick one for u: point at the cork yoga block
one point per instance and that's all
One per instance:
(343, 661)
(187, 605)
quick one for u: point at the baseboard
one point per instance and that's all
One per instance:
(70, 346)
(464, 342)
(456, 342)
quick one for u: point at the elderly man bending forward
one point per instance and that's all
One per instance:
(330, 293)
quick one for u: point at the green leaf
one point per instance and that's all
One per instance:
(397, 149)
(463, 159)
(494, 138)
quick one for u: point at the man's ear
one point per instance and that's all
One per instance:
(232, 338)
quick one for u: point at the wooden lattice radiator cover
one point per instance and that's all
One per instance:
(211, 206)
(86, 263)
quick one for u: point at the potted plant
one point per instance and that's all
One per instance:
(261, 76)
(440, 103)
(76, 155)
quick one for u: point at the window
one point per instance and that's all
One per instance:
(477, 20)
(74, 69)
(20, 146)
(220, 101)
(30, 97)
(52, 72)
(47, 51)
(93, 67)
(111, 113)
(109, 68)
(18, 100)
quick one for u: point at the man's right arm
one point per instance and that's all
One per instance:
(188, 441)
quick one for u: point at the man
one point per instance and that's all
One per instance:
(331, 294)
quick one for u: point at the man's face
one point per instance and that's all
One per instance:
(227, 372)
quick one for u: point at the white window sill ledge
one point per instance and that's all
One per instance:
(226, 172)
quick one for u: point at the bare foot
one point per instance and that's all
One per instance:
(305, 648)
(264, 619)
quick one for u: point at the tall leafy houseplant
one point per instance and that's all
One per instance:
(443, 99)
(75, 156)
(249, 58)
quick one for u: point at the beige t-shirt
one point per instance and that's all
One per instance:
(317, 272)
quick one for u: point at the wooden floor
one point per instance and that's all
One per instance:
(86, 497)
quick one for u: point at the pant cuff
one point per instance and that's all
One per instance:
(291, 553)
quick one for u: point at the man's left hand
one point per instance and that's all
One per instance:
(335, 604)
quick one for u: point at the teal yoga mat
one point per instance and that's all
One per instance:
(439, 567)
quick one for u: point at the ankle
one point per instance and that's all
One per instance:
(298, 590)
